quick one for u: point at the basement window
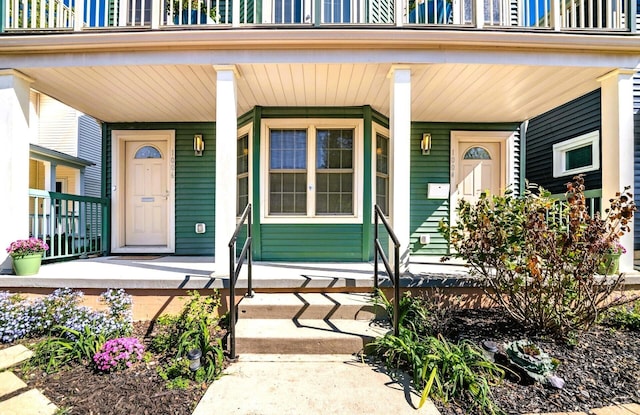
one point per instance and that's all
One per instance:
(577, 155)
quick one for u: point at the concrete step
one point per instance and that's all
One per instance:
(286, 336)
(13, 355)
(31, 402)
(321, 306)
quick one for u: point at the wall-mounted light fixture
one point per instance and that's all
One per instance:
(425, 144)
(198, 144)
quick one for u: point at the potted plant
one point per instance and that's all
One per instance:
(611, 260)
(26, 255)
(192, 11)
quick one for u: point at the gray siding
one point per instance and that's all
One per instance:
(572, 119)
(90, 148)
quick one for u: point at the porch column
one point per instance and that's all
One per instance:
(400, 156)
(14, 160)
(226, 169)
(617, 144)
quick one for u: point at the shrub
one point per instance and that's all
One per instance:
(538, 258)
(118, 354)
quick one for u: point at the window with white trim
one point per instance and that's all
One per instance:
(311, 170)
(382, 172)
(577, 155)
(243, 174)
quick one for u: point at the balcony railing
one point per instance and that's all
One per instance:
(78, 15)
(72, 226)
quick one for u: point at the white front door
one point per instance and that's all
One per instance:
(480, 161)
(143, 192)
(146, 193)
(479, 170)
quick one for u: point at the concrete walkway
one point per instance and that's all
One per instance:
(15, 397)
(309, 384)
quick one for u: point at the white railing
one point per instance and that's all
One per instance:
(603, 15)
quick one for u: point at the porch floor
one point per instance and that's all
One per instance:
(198, 272)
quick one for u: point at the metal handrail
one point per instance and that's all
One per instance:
(394, 275)
(234, 272)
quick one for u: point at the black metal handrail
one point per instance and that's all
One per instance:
(394, 275)
(234, 272)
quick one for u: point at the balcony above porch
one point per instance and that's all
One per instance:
(47, 16)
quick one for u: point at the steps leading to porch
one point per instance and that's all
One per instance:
(306, 323)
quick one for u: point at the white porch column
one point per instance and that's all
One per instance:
(226, 169)
(617, 144)
(14, 160)
(400, 155)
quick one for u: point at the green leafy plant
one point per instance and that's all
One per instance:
(412, 312)
(191, 330)
(538, 258)
(55, 353)
(625, 316)
(441, 369)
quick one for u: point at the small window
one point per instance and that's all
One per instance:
(577, 155)
(148, 152)
(243, 174)
(382, 173)
(477, 153)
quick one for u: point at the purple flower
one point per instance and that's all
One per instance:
(119, 353)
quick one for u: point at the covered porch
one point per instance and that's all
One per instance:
(191, 84)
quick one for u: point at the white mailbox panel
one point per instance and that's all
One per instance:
(438, 190)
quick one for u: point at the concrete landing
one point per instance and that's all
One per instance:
(282, 336)
(293, 385)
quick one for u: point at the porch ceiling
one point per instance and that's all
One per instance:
(440, 92)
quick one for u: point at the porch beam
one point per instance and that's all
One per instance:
(400, 156)
(226, 169)
(14, 160)
(617, 144)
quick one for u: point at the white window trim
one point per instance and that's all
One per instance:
(560, 150)
(378, 129)
(247, 130)
(311, 125)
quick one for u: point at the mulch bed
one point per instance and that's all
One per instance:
(137, 390)
(600, 368)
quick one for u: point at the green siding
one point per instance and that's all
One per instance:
(311, 242)
(426, 214)
(195, 183)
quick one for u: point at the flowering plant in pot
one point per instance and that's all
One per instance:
(27, 255)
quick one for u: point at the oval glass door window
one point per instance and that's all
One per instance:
(477, 153)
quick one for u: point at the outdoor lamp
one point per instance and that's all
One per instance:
(425, 144)
(198, 144)
(194, 356)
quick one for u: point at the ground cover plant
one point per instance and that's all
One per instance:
(100, 362)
